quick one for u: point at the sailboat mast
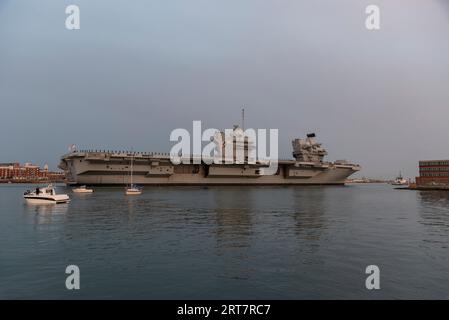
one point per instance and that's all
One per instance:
(132, 169)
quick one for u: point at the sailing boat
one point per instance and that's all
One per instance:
(132, 189)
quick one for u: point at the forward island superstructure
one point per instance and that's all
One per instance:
(89, 167)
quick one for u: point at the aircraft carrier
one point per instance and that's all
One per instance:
(102, 167)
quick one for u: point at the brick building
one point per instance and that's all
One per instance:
(8, 170)
(433, 173)
(15, 172)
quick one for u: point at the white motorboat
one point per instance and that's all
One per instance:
(45, 195)
(82, 189)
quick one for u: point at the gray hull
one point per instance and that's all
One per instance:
(104, 168)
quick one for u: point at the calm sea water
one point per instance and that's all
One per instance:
(227, 242)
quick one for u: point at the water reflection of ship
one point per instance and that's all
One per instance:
(134, 206)
(46, 213)
(309, 204)
(233, 214)
(233, 209)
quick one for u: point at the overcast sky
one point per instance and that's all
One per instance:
(138, 69)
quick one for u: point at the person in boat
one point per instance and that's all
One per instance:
(37, 191)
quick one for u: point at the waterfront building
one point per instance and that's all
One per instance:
(433, 173)
(15, 172)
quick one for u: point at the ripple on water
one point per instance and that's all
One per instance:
(229, 242)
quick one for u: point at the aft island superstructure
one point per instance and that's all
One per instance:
(89, 167)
